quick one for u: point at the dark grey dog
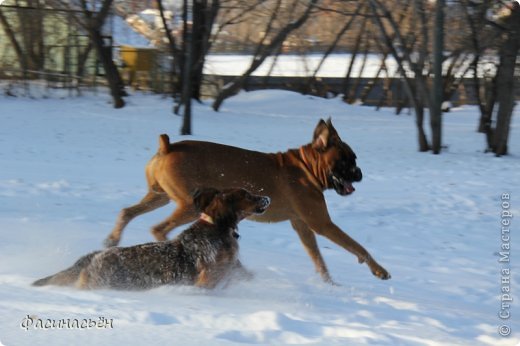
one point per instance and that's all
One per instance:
(202, 255)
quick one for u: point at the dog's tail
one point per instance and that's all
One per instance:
(63, 278)
(67, 277)
(164, 144)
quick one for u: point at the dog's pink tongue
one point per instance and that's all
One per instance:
(349, 188)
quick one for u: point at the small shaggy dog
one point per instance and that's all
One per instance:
(202, 255)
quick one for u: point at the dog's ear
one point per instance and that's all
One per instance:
(203, 197)
(323, 134)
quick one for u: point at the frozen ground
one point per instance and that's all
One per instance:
(68, 166)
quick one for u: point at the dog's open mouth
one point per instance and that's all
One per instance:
(342, 187)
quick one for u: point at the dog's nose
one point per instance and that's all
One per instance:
(357, 174)
(266, 201)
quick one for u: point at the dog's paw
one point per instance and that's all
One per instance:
(333, 283)
(242, 274)
(327, 279)
(381, 273)
(109, 242)
(158, 235)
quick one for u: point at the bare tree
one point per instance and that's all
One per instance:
(204, 16)
(91, 17)
(476, 19)
(438, 58)
(26, 34)
(401, 52)
(338, 36)
(509, 50)
(265, 49)
(347, 81)
(501, 34)
(198, 17)
(187, 69)
(10, 32)
(174, 52)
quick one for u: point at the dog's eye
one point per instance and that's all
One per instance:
(342, 164)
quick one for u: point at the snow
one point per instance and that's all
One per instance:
(335, 65)
(69, 165)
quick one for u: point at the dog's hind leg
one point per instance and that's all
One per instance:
(308, 239)
(83, 282)
(151, 201)
(184, 214)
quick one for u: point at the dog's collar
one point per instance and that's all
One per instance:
(206, 218)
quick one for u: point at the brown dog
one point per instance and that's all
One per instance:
(203, 255)
(294, 180)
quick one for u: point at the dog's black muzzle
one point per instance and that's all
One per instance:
(342, 183)
(357, 176)
(263, 203)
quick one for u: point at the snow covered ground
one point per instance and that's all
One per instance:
(67, 166)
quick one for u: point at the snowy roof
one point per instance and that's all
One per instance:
(123, 34)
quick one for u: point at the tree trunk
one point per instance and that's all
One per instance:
(486, 104)
(115, 83)
(435, 109)
(31, 31)
(12, 38)
(354, 89)
(370, 84)
(198, 37)
(187, 71)
(204, 15)
(423, 141)
(82, 60)
(174, 51)
(506, 83)
(346, 83)
(475, 26)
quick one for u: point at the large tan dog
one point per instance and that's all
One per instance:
(294, 180)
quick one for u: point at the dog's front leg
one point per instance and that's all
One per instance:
(241, 272)
(150, 202)
(335, 234)
(308, 240)
(203, 279)
(207, 278)
(183, 214)
(319, 221)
